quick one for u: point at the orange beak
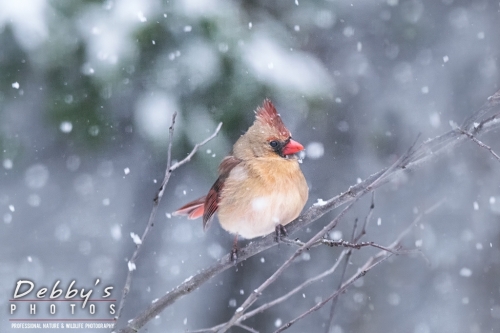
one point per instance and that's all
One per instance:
(292, 147)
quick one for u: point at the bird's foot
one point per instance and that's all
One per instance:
(280, 231)
(235, 250)
(234, 255)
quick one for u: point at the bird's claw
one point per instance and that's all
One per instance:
(234, 255)
(280, 231)
(235, 250)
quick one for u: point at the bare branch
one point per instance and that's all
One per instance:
(361, 272)
(348, 257)
(371, 263)
(480, 144)
(342, 275)
(343, 243)
(249, 329)
(292, 292)
(195, 149)
(131, 263)
(487, 117)
(391, 249)
(156, 202)
(367, 220)
(207, 330)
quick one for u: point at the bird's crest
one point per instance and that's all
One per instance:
(267, 114)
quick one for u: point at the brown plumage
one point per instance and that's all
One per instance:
(260, 185)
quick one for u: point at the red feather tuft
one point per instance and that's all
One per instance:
(267, 114)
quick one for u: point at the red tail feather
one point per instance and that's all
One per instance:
(193, 210)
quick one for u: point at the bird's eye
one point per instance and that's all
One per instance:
(273, 143)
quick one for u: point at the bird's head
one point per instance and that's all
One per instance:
(267, 137)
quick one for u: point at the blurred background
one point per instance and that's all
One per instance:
(87, 91)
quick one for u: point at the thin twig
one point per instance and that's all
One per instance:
(245, 327)
(154, 210)
(195, 149)
(207, 330)
(342, 275)
(361, 272)
(343, 243)
(480, 143)
(292, 292)
(131, 263)
(348, 257)
(366, 267)
(367, 220)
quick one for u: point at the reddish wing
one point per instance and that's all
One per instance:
(213, 196)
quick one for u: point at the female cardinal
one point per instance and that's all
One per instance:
(260, 186)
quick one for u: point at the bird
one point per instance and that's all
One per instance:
(260, 187)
